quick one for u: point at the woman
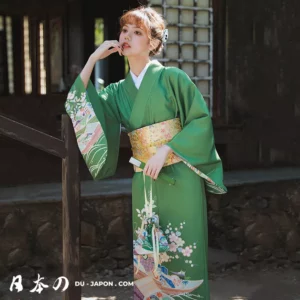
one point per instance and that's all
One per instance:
(170, 130)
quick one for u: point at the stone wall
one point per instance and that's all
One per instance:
(31, 237)
(258, 222)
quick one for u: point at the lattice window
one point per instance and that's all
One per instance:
(27, 57)
(37, 66)
(190, 43)
(3, 69)
(42, 63)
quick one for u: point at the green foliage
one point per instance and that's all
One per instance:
(99, 31)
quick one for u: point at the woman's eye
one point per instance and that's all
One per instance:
(124, 30)
(138, 32)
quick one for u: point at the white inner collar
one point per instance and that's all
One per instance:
(138, 79)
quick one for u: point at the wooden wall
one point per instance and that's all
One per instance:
(261, 56)
(256, 52)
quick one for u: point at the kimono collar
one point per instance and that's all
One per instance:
(138, 79)
(138, 98)
(129, 83)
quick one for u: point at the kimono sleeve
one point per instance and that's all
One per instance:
(96, 121)
(195, 142)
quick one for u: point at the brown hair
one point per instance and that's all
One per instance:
(150, 21)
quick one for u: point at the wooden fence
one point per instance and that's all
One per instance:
(67, 150)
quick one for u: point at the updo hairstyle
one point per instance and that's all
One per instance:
(150, 21)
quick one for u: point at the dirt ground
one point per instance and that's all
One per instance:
(256, 284)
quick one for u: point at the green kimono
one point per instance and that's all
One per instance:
(165, 93)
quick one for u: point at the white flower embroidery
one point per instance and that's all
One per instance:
(187, 251)
(180, 242)
(71, 95)
(164, 257)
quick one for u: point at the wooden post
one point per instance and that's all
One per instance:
(71, 211)
(219, 60)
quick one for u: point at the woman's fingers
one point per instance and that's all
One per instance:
(107, 48)
(112, 42)
(115, 44)
(146, 169)
(113, 50)
(152, 171)
(156, 173)
(113, 47)
(120, 51)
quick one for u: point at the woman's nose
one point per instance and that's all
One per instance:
(127, 37)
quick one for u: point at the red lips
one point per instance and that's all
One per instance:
(125, 45)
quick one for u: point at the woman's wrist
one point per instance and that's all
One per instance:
(92, 58)
(167, 148)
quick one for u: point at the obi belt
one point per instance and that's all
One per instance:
(146, 140)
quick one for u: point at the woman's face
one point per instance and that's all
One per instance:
(134, 41)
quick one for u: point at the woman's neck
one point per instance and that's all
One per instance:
(137, 65)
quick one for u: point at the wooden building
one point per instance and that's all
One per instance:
(242, 55)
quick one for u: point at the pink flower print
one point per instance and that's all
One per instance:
(173, 247)
(173, 237)
(168, 136)
(187, 251)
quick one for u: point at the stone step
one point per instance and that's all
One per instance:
(112, 188)
(219, 259)
(97, 298)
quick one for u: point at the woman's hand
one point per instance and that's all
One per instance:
(156, 162)
(106, 49)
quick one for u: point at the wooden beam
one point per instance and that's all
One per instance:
(71, 211)
(32, 137)
(219, 58)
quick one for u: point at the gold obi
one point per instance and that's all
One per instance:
(145, 141)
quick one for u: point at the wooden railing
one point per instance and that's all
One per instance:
(67, 150)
